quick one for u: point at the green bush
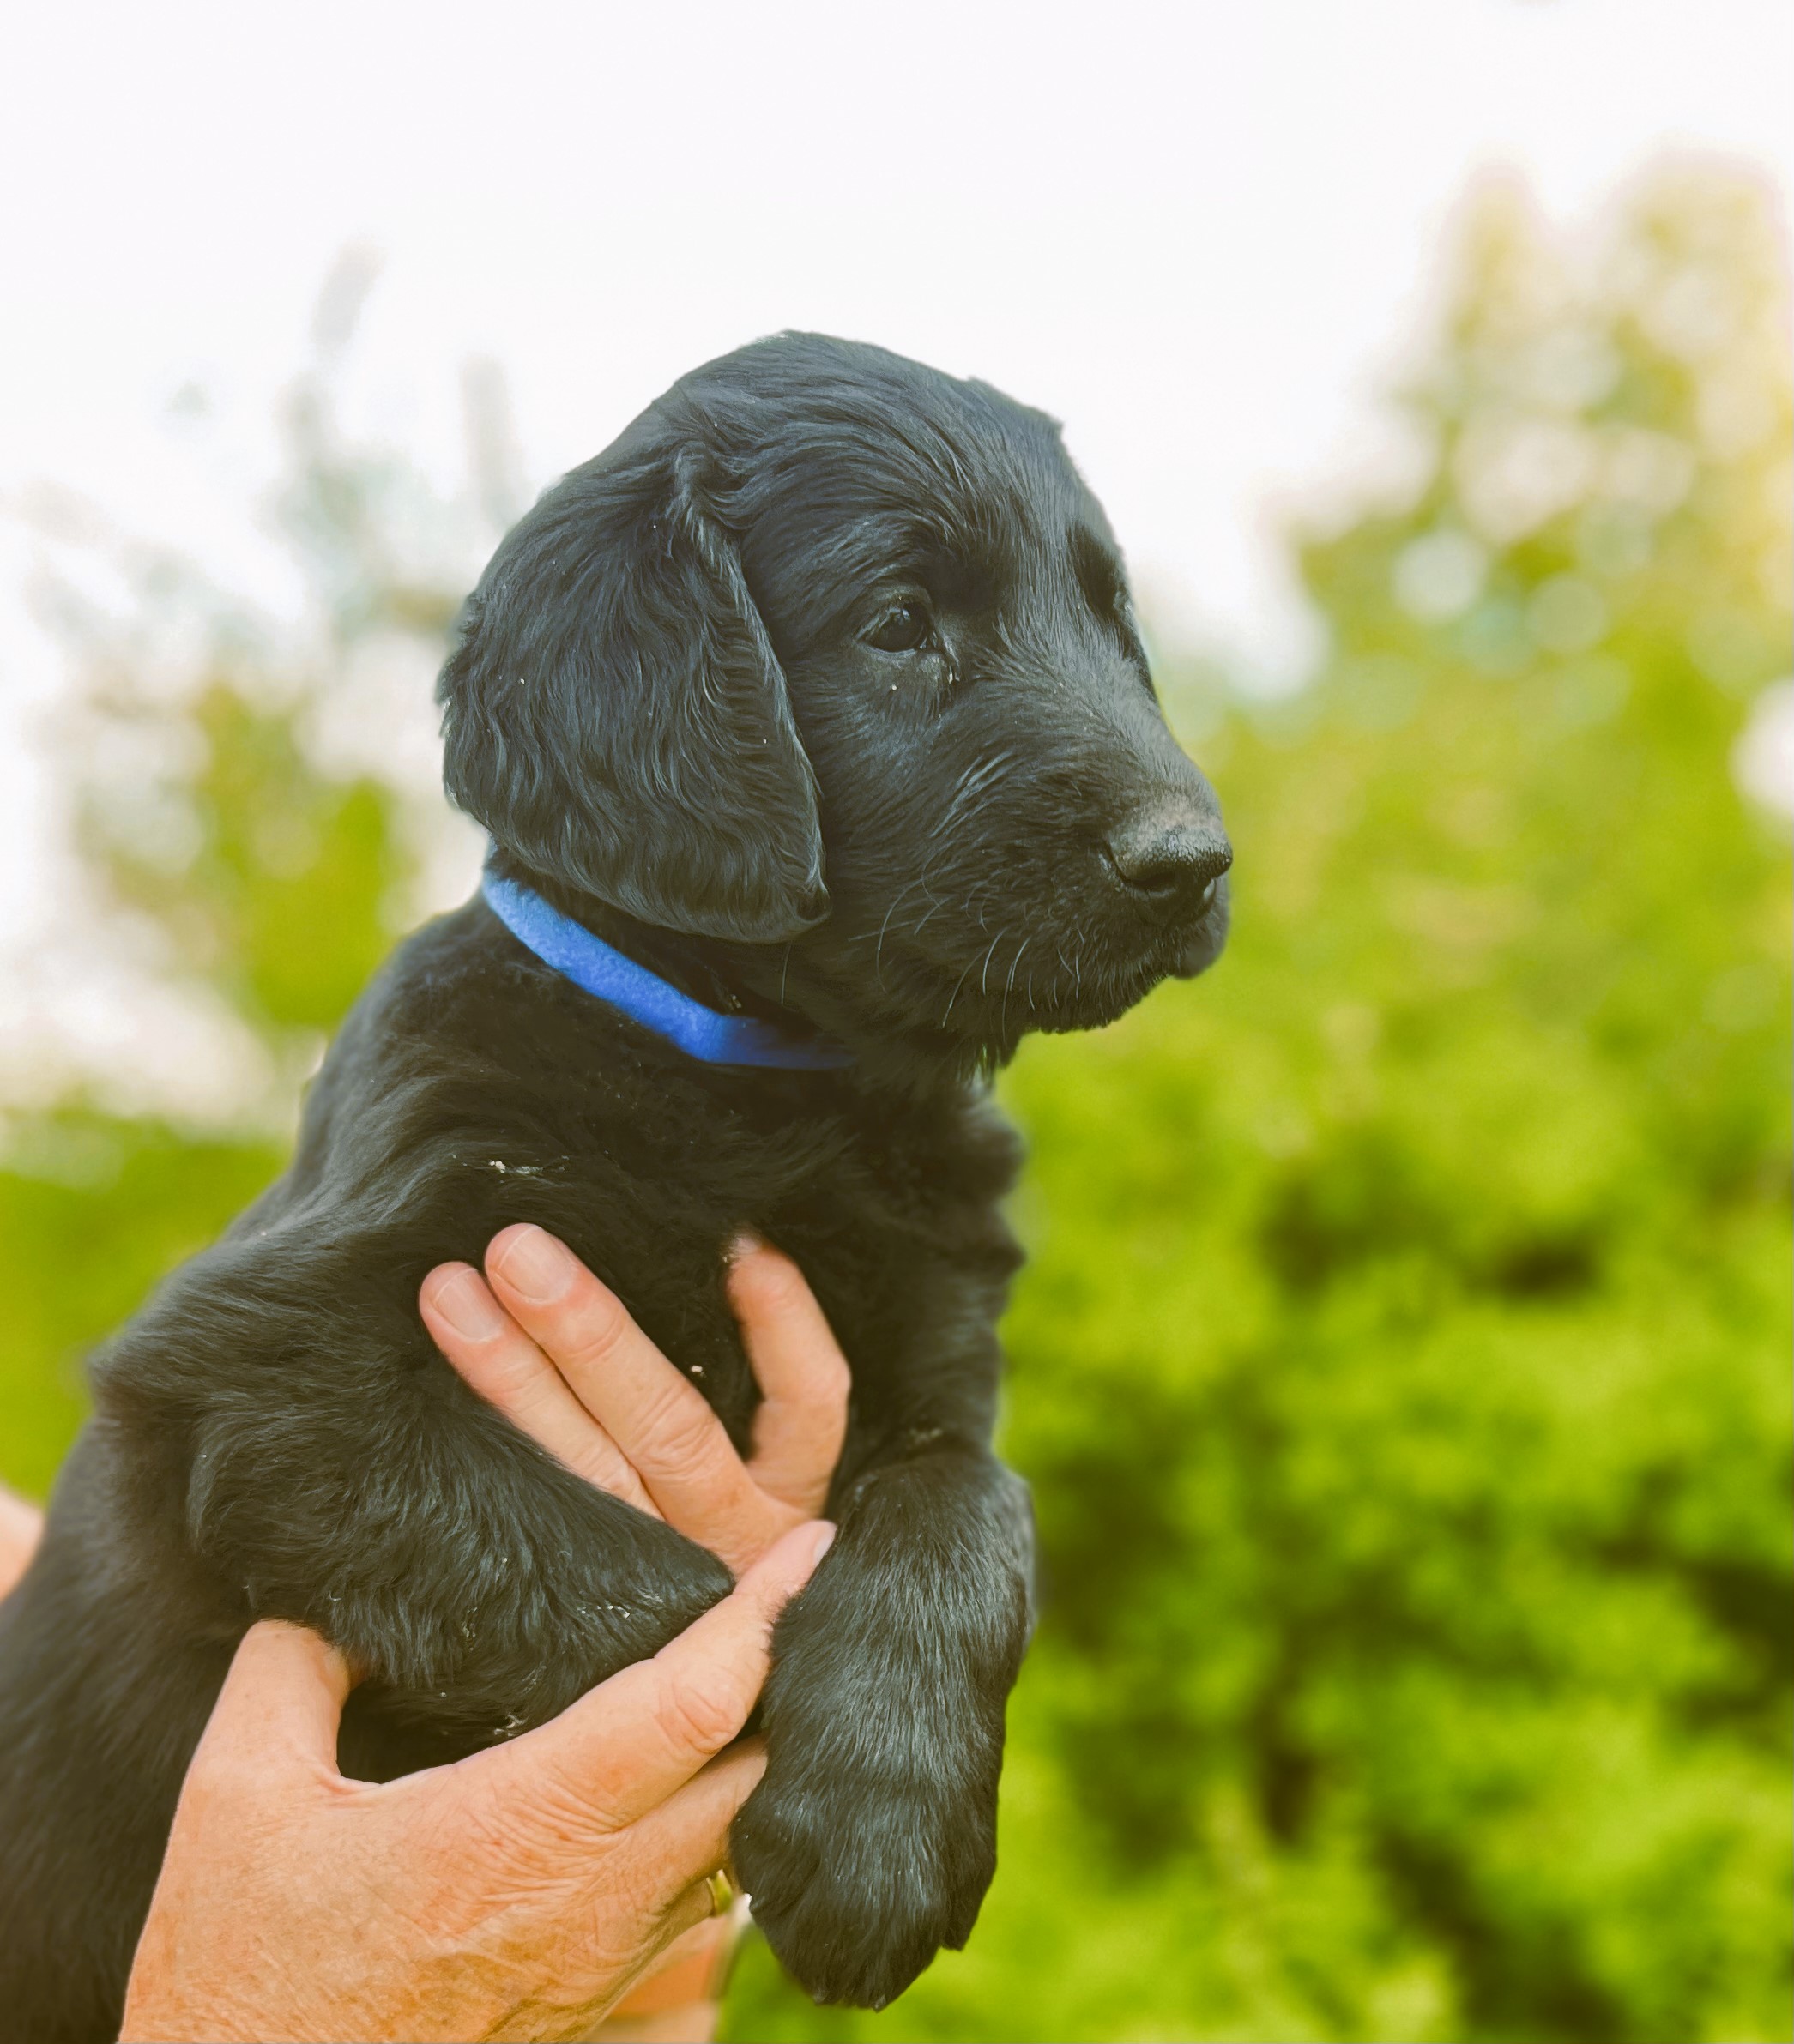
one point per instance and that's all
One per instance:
(1402, 1369)
(1402, 1366)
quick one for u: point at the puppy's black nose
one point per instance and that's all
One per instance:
(1173, 860)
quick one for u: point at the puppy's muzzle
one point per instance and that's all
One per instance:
(1171, 863)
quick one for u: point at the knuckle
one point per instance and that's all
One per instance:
(591, 1328)
(701, 1713)
(834, 1380)
(676, 1431)
(522, 1394)
(822, 1390)
(222, 1787)
(605, 1469)
(215, 1781)
(778, 1286)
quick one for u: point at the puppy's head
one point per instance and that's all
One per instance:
(830, 659)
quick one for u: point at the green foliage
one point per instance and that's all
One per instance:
(269, 885)
(281, 892)
(281, 902)
(1402, 1369)
(93, 1210)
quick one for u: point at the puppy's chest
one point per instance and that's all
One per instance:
(878, 1216)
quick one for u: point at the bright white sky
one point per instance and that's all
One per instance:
(1198, 232)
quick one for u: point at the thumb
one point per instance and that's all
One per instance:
(281, 1702)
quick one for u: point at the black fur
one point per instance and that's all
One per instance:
(818, 691)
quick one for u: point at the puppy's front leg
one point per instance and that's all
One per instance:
(871, 1839)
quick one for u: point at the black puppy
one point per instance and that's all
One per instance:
(821, 762)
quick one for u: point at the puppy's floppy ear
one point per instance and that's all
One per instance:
(615, 716)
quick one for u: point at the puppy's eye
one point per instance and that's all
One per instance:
(903, 629)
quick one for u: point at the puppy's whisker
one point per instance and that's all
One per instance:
(934, 904)
(1068, 974)
(1009, 984)
(1069, 967)
(954, 996)
(877, 956)
(972, 783)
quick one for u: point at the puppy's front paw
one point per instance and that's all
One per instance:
(857, 1880)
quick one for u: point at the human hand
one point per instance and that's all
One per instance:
(470, 1900)
(568, 1364)
(554, 1350)
(514, 1894)
(22, 1526)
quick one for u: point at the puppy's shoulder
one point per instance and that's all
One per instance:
(968, 1147)
(459, 1006)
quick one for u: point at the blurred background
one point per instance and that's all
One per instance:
(1402, 1369)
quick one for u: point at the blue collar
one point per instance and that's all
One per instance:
(572, 951)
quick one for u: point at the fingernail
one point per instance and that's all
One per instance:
(745, 1243)
(468, 1306)
(825, 1540)
(533, 1262)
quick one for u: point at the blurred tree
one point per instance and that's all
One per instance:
(223, 833)
(1402, 1369)
(1402, 1372)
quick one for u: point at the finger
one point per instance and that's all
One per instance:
(22, 1526)
(671, 1855)
(508, 1370)
(626, 1745)
(659, 1420)
(668, 1996)
(661, 1943)
(803, 1377)
(688, 1963)
(689, 1908)
(279, 1707)
(685, 1840)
